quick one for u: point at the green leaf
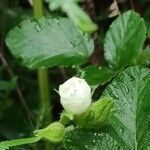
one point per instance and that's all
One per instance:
(96, 75)
(8, 144)
(66, 117)
(144, 57)
(14, 15)
(54, 132)
(8, 85)
(47, 42)
(131, 96)
(124, 39)
(75, 13)
(82, 139)
(55, 4)
(147, 21)
(97, 115)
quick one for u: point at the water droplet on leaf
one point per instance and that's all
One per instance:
(94, 141)
(86, 146)
(121, 131)
(38, 28)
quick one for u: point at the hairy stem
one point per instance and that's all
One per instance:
(132, 4)
(42, 73)
(43, 77)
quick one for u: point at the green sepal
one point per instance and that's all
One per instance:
(97, 114)
(53, 133)
(66, 117)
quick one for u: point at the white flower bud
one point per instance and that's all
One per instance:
(75, 95)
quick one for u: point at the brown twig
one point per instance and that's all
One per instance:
(89, 7)
(18, 91)
(97, 56)
(131, 3)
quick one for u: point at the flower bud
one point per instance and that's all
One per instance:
(54, 132)
(75, 95)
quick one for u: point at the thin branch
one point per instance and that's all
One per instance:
(63, 73)
(132, 5)
(18, 91)
(11, 74)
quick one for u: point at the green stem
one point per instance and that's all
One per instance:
(43, 75)
(44, 88)
(17, 142)
(38, 8)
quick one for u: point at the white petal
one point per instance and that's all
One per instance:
(75, 95)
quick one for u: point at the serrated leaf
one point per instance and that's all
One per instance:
(124, 39)
(8, 144)
(131, 92)
(96, 75)
(47, 42)
(97, 114)
(81, 139)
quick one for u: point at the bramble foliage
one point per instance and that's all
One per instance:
(120, 117)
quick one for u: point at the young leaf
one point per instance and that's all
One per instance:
(124, 39)
(8, 144)
(83, 139)
(96, 75)
(97, 114)
(47, 42)
(79, 17)
(131, 96)
(75, 13)
(55, 4)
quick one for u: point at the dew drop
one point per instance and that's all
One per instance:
(49, 23)
(126, 89)
(86, 146)
(92, 115)
(57, 21)
(121, 131)
(147, 62)
(38, 28)
(94, 141)
(115, 95)
(42, 67)
(95, 134)
(71, 44)
(99, 68)
(81, 33)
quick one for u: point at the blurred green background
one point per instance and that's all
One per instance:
(20, 107)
